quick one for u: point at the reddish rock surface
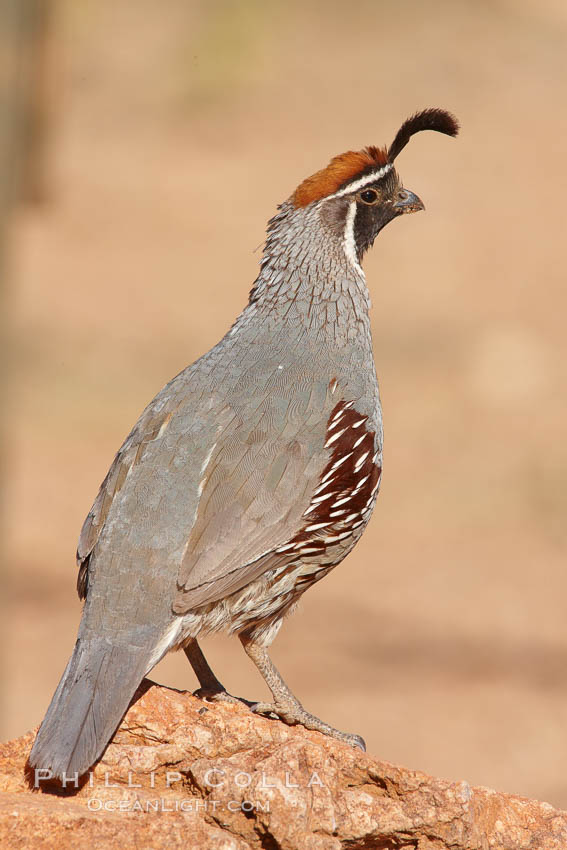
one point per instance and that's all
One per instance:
(181, 773)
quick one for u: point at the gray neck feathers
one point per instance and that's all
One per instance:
(309, 279)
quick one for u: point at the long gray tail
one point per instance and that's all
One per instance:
(91, 698)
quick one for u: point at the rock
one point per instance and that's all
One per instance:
(181, 773)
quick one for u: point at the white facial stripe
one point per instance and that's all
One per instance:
(349, 243)
(358, 184)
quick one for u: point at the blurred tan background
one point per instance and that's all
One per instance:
(171, 131)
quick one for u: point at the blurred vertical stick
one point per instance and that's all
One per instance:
(25, 29)
(24, 112)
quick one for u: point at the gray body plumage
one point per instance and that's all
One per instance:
(222, 475)
(249, 476)
(216, 476)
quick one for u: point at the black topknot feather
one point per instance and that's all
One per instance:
(428, 119)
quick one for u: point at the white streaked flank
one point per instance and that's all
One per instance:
(334, 437)
(360, 461)
(340, 462)
(322, 498)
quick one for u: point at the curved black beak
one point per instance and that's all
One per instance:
(407, 202)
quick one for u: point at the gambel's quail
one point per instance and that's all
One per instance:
(249, 476)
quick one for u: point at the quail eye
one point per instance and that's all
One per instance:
(369, 196)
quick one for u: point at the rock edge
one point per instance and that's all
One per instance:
(182, 773)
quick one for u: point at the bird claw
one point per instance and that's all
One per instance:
(358, 741)
(299, 716)
(265, 709)
(210, 695)
(214, 696)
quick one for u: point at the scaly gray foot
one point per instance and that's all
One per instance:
(295, 714)
(220, 696)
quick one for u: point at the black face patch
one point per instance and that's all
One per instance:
(371, 218)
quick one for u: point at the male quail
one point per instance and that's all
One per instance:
(249, 476)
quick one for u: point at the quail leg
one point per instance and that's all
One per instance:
(285, 705)
(211, 689)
